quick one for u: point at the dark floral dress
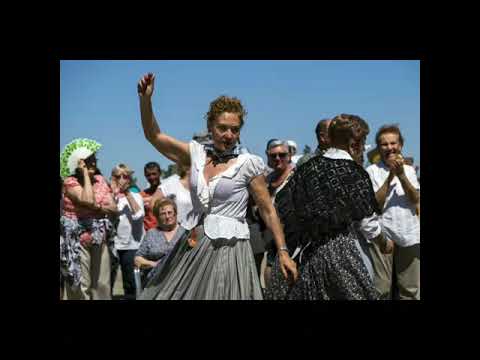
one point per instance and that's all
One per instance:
(319, 207)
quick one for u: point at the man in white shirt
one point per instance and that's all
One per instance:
(398, 193)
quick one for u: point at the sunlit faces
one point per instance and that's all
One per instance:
(225, 131)
(390, 146)
(152, 176)
(167, 216)
(279, 157)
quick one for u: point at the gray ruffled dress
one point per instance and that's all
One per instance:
(221, 266)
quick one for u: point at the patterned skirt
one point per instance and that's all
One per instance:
(215, 269)
(329, 271)
(70, 232)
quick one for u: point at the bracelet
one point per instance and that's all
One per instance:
(284, 248)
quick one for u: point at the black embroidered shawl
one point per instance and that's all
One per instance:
(323, 198)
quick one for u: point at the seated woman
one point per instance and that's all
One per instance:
(178, 189)
(159, 241)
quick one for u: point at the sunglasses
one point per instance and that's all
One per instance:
(90, 161)
(123, 176)
(280, 155)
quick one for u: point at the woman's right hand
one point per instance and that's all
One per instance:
(145, 86)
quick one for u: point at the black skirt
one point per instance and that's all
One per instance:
(327, 271)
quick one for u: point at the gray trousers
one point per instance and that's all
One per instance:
(407, 270)
(95, 278)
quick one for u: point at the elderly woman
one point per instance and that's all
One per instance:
(221, 265)
(159, 241)
(87, 229)
(178, 189)
(323, 207)
(129, 228)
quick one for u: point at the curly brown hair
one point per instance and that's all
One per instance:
(225, 104)
(346, 127)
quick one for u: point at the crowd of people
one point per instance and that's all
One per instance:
(227, 227)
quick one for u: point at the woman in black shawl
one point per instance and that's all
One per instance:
(324, 208)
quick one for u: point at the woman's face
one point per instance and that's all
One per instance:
(91, 163)
(225, 131)
(122, 177)
(357, 148)
(167, 216)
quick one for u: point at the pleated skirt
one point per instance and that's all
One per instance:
(215, 269)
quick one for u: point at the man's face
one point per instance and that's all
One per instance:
(153, 176)
(323, 139)
(357, 149)
(390, 147)
(279, 158)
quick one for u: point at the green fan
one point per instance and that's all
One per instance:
(73, 152)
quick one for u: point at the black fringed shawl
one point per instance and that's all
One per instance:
(323, 198)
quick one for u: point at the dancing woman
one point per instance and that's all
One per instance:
(221, 266)
(325, 206)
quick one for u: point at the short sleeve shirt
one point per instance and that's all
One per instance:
(101, 191)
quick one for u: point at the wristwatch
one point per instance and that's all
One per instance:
(284, 248)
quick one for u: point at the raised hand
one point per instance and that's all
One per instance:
(81, 164)
(145, 85)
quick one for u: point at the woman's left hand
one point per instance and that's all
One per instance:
(287, 265)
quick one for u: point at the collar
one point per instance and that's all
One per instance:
(334, 153)
(221, 157)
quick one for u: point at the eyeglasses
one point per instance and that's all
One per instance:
(280, 155)
(123, 176)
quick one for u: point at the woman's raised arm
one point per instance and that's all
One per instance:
(173, 149)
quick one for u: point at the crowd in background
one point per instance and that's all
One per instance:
(347, 231)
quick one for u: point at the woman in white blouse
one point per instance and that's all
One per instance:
(221, 266)
(130, 229)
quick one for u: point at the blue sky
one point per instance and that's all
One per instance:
(284, 99)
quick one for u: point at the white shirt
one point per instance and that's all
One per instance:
(182, 199)
(171, 178)
(369, 226)
(295, 158)
(398, 220)
(224, 199)
(130, 230)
